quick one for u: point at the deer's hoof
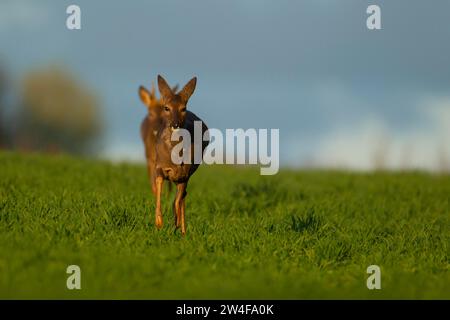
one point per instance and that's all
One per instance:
(159, 222)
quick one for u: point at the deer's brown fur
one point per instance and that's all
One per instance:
(166, 115)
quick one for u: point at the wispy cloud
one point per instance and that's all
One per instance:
(371, 143)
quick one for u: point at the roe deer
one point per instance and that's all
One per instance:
(165, 116)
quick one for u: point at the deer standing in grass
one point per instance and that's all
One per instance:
(165, 116)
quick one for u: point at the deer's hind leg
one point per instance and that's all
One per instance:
(151, 170)
(169, 188)
(183, 208)
(175, 215)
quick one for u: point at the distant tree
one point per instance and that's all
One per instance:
(58, 113)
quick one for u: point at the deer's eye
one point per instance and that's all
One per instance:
(183, 110)
(166, 109)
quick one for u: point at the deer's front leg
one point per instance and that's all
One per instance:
(179, 206)
(158, 215)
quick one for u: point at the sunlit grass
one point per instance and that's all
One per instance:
(299, 234)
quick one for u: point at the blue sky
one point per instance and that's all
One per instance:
(338, 92)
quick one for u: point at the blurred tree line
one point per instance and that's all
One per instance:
(52, 112)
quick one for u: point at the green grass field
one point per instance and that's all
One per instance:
(295, 235)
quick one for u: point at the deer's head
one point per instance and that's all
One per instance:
(153, 103)
(173, 112)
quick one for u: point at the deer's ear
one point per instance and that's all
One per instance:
(188, 90)
(145, 96)
(164, 88)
